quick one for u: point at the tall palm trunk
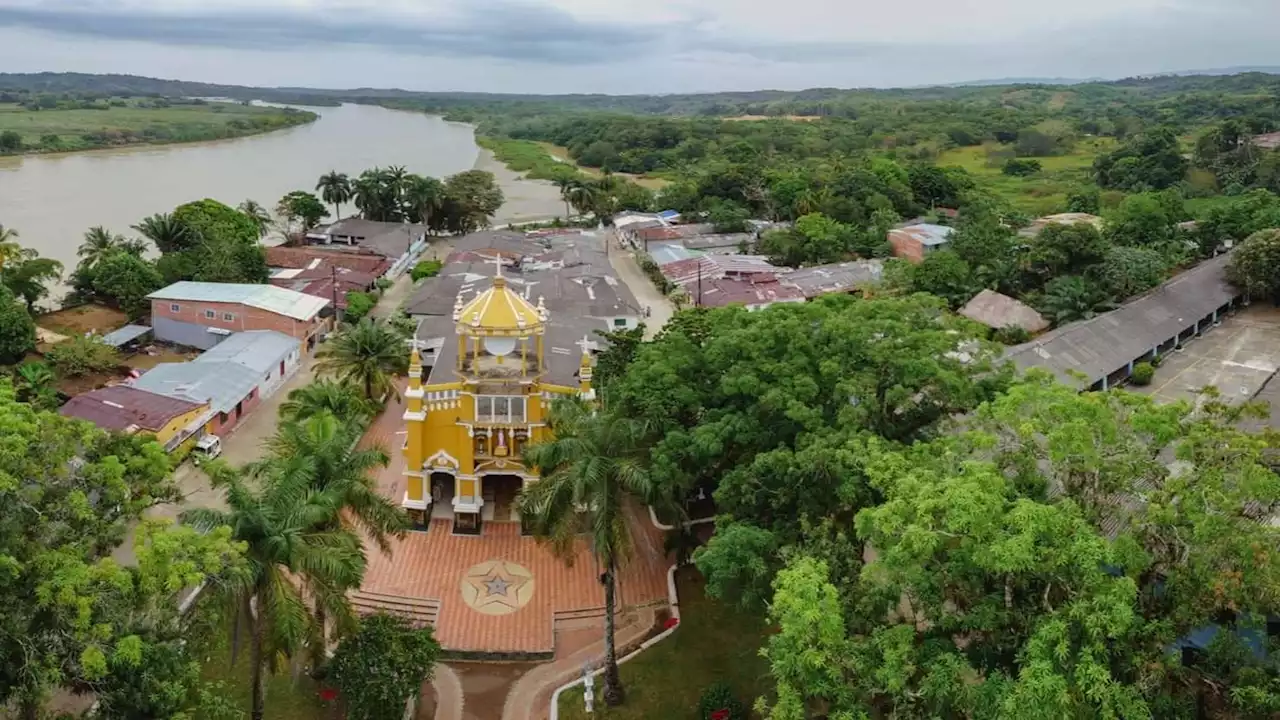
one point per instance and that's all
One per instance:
(613, 693)
(257, 638)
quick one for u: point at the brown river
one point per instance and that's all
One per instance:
(52, 199)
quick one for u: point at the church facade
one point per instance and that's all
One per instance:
(488, 396)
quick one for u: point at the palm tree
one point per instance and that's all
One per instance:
(588, 471)
(99, 243)
(423, 196)
(339, 398)
(566, 184)
(34, 384)
(168, 234)
(368, 355)
(9, 248)
(321, 451)
(335, 188)
(282, 525)
(582, 197)
(258, 214)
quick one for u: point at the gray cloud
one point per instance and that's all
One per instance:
(500, 29)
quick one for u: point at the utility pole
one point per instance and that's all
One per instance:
(699, 301)
(333, 286)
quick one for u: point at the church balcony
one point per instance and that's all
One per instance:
(502, 368)
(498, 442)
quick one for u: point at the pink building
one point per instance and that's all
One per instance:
(200, 314)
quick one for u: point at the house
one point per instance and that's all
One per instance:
(200, 314)
(126, 409)
(1269, 141)
(998, 311)
(1039, 224)
(400, 243)
(1100, 352)
(310, 257)
(916, 241)
(231, 378)
(844, 277)
(324, 280)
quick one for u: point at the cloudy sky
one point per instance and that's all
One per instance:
(631, 46)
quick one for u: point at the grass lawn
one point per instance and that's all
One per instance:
(1040, 194)
(287, 698)
(133, 124)
(558, 151)
(713, 642)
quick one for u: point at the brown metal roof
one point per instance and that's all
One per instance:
(301, 257)
(120, 407)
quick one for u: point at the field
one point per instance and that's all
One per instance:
(63, 130)
(653, 183)
(1040, 194)
(714, 642)
(544, 161)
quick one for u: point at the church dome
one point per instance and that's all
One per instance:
(499, 311)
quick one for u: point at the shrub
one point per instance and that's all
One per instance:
(719, 696)
(383, 283)
(383, 663)
(1011, 335)
(1142, 374)
(82, 355)
(426, 269)
(1021, 168)
(358, 305)
(654, 272)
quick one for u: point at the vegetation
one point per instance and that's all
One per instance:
(715, 643)
(426, 269)
(82, 124)
(359, 305)
(82, 355)
(17, 329)
(1143, 373)
(368, 355)
(379, 667)
(589, 471)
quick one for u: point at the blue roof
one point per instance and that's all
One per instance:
(669, 214)
(666, 253)
(124, 335)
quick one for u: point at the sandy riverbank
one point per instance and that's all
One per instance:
(526, 200)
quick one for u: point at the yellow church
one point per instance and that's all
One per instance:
(465, 435)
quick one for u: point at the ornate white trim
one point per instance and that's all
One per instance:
(415, 504)
(410, 416)
(440, 461)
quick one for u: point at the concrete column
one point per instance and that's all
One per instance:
(1104, 384)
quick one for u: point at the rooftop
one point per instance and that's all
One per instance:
(306, 257)
(1269, 141)
(1060, 219)
(1000, 311)
(127, 409)
(1100, 346)
(221, 384)
(125, 335)
(927, 234)
(389, 239)
(290, 303)
(730, 291)
(835, 277)
(258, 350)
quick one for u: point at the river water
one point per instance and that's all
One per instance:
(52, 199)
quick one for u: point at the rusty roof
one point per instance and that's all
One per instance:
(120, 407)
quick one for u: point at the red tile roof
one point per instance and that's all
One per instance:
(120, 407)
(301, 258)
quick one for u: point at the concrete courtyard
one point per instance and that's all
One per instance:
(1237, 358)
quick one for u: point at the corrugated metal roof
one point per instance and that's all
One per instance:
(835, 277)
(289, 303)
(258, 350)
(221, 384)
(121, 407)
(926, 234)
(998, 311)
(124, 335)
(1108, 342)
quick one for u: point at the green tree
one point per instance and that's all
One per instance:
(10, 250)
(367, 354)
(472, 199)
(739, 564)
(30, 277)
(126, 280)
(1145, 219)
(946, 275)
(815, 239)
(82, 355)
(1255, 266)
(335, 188)
(1087, 199)
(359, 305)
(1152, 161)
(10, 141)
(33, 384)
(1074, 297)
(166, 232)
(321, 451)
(337, 398)
(98, 244)
(1128, 271)
(303, 208)
(1065, 249)
(258, 214)
(424, 198)
(276, 521)
(17, 329)
(589, 472)
(380, 666)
